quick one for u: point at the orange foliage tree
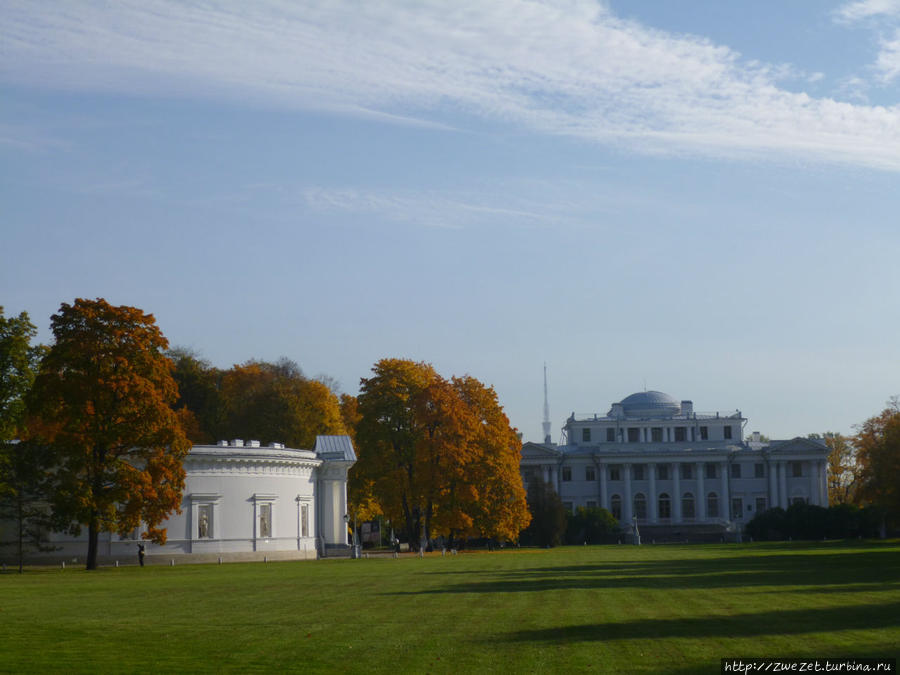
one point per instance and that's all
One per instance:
(102, 402)
(437, 456)
(878, 456)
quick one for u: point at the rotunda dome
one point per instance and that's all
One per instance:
(650, 404)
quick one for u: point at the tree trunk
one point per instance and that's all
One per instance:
(21, 528)
(92, 543)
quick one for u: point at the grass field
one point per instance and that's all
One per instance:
(602, 608)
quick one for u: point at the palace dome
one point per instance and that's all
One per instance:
(650, 404)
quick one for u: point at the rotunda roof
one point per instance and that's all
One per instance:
(650, 404)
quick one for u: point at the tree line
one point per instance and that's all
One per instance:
(94, 429)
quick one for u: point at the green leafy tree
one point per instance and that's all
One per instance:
(548, 515)
(592, 525)
(102, 402)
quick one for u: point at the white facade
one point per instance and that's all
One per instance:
(653, 458)
(245, 502)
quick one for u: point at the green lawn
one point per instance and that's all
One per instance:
(596, 608)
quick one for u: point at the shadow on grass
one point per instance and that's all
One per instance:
(844, 571)
(775, 622)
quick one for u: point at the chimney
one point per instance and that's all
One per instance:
(687, 408)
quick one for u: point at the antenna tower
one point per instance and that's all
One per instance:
(546, 424)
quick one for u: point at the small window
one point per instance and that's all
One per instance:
(589, 473)
(567, 473)
(687, 471)
(710, 470)
(615, 505)
(737, 508)
(704, 433)
(634, 435)
(728, 433)
(797, 469)
(656, 434)
(760, 504)
(735, 470)
(712, 505)
(665, 506)
(614, 473)
(759, 470)
(591, 505)
(610, 435)
(637, 471)
(640, 506)
(680, 434)
(586, 435)
(662, 471)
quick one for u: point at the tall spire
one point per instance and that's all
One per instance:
(546, 423)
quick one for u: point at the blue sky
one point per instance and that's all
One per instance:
(700, 198)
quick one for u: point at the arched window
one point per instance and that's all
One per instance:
(615, 504)
(687, 505)
(665, 506)
(712, 505)
(640, 506)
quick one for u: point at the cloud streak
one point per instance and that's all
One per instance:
(562, 67)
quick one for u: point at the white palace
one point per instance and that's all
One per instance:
(241, 501)
(676, 471)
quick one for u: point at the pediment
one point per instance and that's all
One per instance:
(796, 445)
(539, 451)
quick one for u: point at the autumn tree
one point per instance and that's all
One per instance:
(878, 455)
(841, 468)
(102, 402)
(198, 404)
(438, 456)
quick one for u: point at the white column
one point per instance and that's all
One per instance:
(626, 499)
(773, 485)
(651, 499)
(604, 493)
(823, 481)
(545, 471)
(782, 484)
(700, 499)
(815, 494)
(676, 488)
(725, 499)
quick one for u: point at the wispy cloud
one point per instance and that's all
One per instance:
(567, 67)
(884, 17)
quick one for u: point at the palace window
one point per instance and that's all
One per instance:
(712, 505)
(640, 506)
(759, 470)
(656, 434)
(687, 505)
(727, 432)
(687, 471)
(637, 471)
(304, 520)
(567, 473)
(634, 435)
(710, 470)
(665, 506)
(704, 433)
(610, 435)
(662, 471)
(591, 504)
(589, 473)
(680, 434)
(615, 506)
(760, 504)
(586, 435)
(735, 470)
(614, 473)
(737, 508)
(797, 469)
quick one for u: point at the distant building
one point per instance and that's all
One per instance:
(678, 472)
(241, 502)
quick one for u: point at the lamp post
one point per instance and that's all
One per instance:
(354, 550)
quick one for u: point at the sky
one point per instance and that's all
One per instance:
(698, 198)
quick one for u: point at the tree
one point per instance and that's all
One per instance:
(22, 466)
(438, 456)
(548, 515)
(591, 525)
(878, 454)
(841, 468)
(198, 403)
(102, 402)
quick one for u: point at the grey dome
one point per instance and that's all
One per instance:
(650, 404)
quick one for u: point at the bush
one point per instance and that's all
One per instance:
(806, 521)
(548, 516)
(591, 526)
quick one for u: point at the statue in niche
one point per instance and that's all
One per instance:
(265, 529)
(204, 524)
